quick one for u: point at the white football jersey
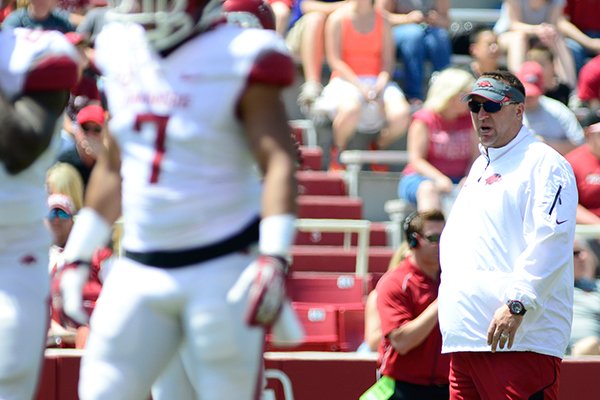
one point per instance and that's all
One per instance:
(32, 60)
(189, 178)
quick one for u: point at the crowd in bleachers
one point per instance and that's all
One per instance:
(396, 82)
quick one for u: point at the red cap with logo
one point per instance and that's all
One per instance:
(531, 75)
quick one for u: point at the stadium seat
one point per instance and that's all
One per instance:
(312, 158)
(320, 183)
(330, 288)
(328, 327)
(337, 259)
(320, 328)
(378, 237)
(337, 207)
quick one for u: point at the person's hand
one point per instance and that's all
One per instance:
(264, 281)
(595, 45)
(73, 278)
(502, 329)
(433, 18)
(415, 17)
(444, 184)
(547, 34)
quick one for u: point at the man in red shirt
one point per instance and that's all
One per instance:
(410, 359)
(585, 161)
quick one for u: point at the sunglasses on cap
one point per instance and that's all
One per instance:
(433, 238)
(490, 107)
(58, 213)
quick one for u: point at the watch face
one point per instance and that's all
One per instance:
(516, 307)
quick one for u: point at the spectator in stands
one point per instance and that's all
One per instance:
(585, 161)
(588, 87)
(585, 334)
(64, 179)
(84, 93)
(93, 21)
(421, 33)
(89, 136)
(484, 49)
(581, 27)
(6, 7)
(87, 85)
(361, 95)
(441, 142)
(553, 86)
(410, 359)
(60, 222)
(306, 38)
(548, 118)
(372, 322)
(41, 14)
(282, 10)
(524, 22)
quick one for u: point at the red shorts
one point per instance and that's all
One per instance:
(503, 376)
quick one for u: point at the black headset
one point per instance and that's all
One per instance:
(409, 234)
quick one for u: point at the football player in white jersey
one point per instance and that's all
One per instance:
(201, 156)
(37, 69)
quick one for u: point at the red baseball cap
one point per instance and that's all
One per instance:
(92, 113)
(531, 75)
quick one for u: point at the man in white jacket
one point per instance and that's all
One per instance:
(506, 294)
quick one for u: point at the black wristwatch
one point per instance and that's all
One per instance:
(516, 307)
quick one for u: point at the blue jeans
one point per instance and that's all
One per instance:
(580, 53)
(415, 44)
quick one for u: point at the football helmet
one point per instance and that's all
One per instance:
(167, 22)
(249, 13)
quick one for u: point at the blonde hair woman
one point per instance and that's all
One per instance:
(441, 142)
(63, 178)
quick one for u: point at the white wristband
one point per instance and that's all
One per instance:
(89, 232)
(277, 234)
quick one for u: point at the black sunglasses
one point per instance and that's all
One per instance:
(489, 106)
(433, 238)
(95, 129)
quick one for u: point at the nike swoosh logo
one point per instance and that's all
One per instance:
(561, 222)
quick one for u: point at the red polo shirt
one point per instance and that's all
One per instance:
(402, 295)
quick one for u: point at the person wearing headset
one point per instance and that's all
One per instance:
(410, 360)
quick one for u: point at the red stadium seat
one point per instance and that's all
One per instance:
(330, 288)
(377, 237)
(320, 183)
(336, 207)
(320, 328)
(337, 259)
(312, 158)
(328, 327)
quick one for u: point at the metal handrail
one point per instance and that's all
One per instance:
(347, 226)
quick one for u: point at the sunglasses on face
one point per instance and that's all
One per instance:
(93, 129)
(58, 213)
(489, 106)
(433, 238)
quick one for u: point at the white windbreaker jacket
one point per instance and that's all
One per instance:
(510, 236)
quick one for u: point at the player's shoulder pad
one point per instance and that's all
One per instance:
(272, 62)
(47, 60)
